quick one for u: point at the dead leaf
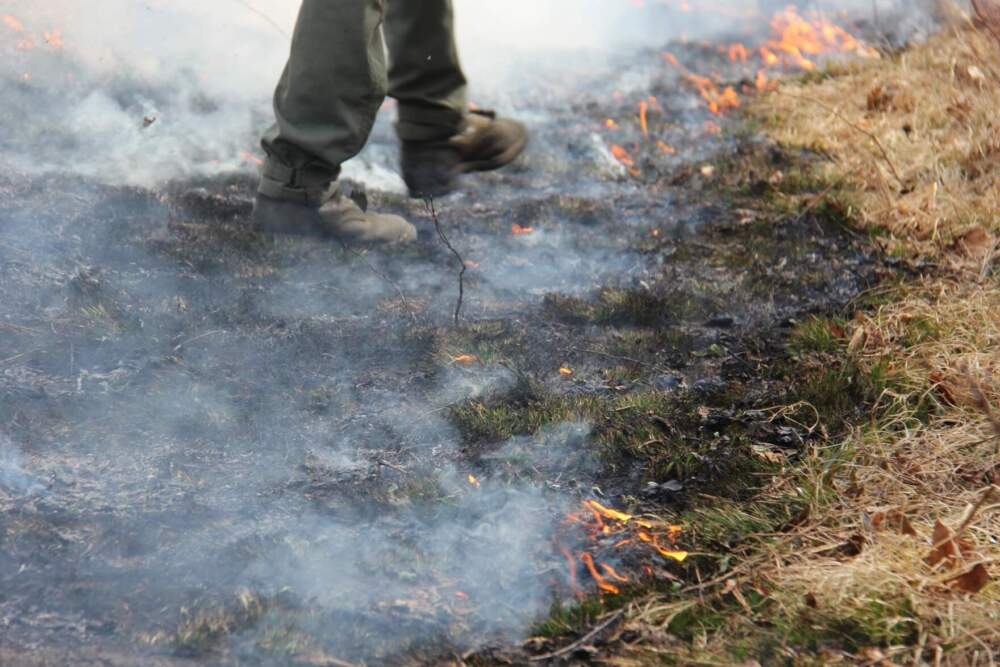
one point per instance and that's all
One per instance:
(811, 601)
(946, 387)
(872, 654)
(977, 243)
(947, 547)
(768, 454)
(972, 581)
(893, 520)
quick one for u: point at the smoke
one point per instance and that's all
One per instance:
(214, 413)
(13, 478)
(147, 92)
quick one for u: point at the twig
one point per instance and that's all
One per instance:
(582, 641)
(818, 199)
(14, 358)
(974, 509)
(371, 267)
(177, 348)
(983, 402)
(858, 128)
(614, 356)
(429, 201)
(387, 464)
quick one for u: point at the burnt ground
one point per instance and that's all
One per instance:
(222, 448)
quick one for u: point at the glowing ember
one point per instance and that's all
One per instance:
(566, 371)
(518, 230)
(610, 124)
(474, 481)
(622, 155)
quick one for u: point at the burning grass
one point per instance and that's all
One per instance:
(892, 553)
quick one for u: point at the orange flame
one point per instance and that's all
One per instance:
(602, 584)
(13, 23)
(518, 230)
(54, 39)
(622, 155)
(602, 522)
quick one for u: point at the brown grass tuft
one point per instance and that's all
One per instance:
(897, 558)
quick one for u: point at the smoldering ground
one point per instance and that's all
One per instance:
(222, 447)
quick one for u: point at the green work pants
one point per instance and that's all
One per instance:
(338, 75)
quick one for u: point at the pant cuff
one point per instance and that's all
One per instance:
(308, 185)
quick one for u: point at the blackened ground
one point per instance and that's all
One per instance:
(221, 448)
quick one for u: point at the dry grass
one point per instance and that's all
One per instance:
(916, 136)
(914, 142)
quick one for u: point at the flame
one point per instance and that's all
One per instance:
(610, 124)
(54, 39)
(796, 42)
(738, 53)
(719, 100)
(574, 583)
(13, 23)
(644, 118)
(565, 371)
(611, 573)
(622, 155)
(465, 359)
(800, 40)
(607, 528)
(518, 230)
(602, 584)
(474, 481)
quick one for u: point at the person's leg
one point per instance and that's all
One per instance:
(327, 99)
(425, 75)
(440, 137)
(325, 106)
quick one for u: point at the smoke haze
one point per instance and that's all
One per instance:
(211, 411)
(204, 72)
